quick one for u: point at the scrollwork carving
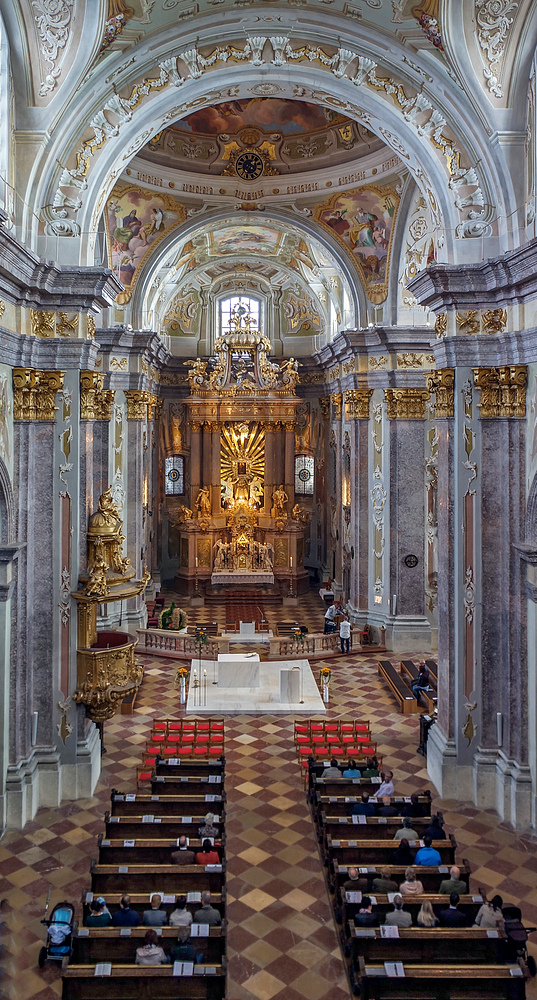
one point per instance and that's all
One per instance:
(406, 404)
(95, 402)
(493, 25)
(442, 383)
(503, 390)
(53, 20)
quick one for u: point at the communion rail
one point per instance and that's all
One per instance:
(162, 642)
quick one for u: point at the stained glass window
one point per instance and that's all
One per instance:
(174, 476)
(304, 475)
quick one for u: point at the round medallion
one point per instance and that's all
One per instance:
(304, 475)
(173, 475)
(411, 561)
(249, 166)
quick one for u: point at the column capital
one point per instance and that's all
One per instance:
(357, 403)
(195, 426)
(95, 402)
(442, 382)
(503, 390)
(406, 404)
(138, 401)
(34, 393)
(337, 399)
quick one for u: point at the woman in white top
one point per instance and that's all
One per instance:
(411, 886)
(490, 915)
(150, 953)
(180, 917)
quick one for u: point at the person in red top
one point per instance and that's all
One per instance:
(207, 856)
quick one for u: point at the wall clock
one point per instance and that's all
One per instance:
(249, 165)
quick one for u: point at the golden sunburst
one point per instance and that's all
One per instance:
(243, 451)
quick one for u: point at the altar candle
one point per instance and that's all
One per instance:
(291, 562)
(196, 562)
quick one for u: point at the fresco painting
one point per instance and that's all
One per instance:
(271, 114)
(242, 239)
(364, 221)
(136, 220)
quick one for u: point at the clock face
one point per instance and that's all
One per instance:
(249, 166)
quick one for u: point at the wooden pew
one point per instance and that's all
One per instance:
(427, 944)
(450, 982)
(430, 876)
(112, 944)
(189, 776)
(154, 878)
(144, 851)
(375, 827)
(143, 983)
(468, 903)
(410, 670)
(341, 805)
(377, 852)
(172, 785)
(168, 827)
(165, 803)
(142, 901)
(432, 667)
(401, 692)
(286, 628)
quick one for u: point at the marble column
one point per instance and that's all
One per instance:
(357, 411)
(195, 462)
(290, 464)
(137, 445)
(215, 470)
(269, 468)
(8, 556)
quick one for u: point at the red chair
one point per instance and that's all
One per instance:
(302, 739)
(200, 751)
(320, 751)
(354, 752)
(158, 737)
(174, 737)
(369, 751)
(331, 727)
(362, 727)
(144, 775)
(347, 727)
(317, 727)
(202, 727)
(305, 751)
(175, 727)
(337, 751)
(189, 727)
(318, 739)
(348, 738)
(301, 729)
(216, 751)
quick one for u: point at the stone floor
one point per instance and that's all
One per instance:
(282, 943)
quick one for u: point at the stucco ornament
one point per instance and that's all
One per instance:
(493, 24)
(53, 19)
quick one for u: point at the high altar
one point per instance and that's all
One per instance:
(243, 527)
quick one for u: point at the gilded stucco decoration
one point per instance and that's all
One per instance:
(136, 221)
(357, 403)
(34, 393)
(95, 402)
(442, 382)
(406, 404)
(503, 390)
(364, 221)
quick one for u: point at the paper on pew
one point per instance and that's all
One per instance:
(105, 843)
(149, 818)
(391, 897)
(443, 869)
(183, 968)
(193, 897)
(212, 798)
(168, 897)
(130, 797)
(395, 970)
(155, 798)
(83, 932)
(387, 931)
(129, 843)
(199, 930)
(103, 969)
(213, 868)
(215, 779)
(353, 897)
(186, 819)
(124, 932)
(123, 870)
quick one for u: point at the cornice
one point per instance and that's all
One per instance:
(143, 343)
(20, 351)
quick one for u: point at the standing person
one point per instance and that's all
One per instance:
(345, 629)
(329, 616)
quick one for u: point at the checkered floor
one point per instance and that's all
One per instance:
(282, 942)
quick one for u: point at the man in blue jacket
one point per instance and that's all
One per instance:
(427, 855)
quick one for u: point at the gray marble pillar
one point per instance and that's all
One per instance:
(195, 462)
(215, 470)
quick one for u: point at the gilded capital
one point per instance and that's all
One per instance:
(34, 393)
(324, 403)
(406, 404)
(442, 382)
(137, 403)
(503, 390)
(154, 406)
(95, 402)
(195, 426)
(337, 400)
(357, 403)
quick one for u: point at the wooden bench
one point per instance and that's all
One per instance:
(112, 944)
(430, 876)
(378, 827)
(172, 784)
(141, 901)
(341, 805)
(427, 944)
(144, 851)
(153, 827)
(143, 983)
(450, 982)
(177, 879)
(401, 692)
(410, 670)
(168, 767)
(170, 804)
(432, 667)
(377, 852)
(346, 910)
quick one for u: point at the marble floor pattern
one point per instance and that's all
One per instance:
(282, 942)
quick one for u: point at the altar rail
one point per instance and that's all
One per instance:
(162, 642)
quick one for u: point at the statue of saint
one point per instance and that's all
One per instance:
(182, 514)
(203, 502)
(256, 491)
(280, 499)
(106, 517)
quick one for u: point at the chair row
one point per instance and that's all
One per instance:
(174, 726)
(344, 727)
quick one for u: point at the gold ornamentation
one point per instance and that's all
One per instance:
(2, 308)
(179, 516)
(95, 402)
(65, 326)
(333, 374)
(197, 374)
(406, 404)
(154, 407)
(300, 514)
(34, 393)
(137, 403)
(106, 564)
(379, 362)
(92, 329)
(337, 399)
(442, 382)
(324, 403)
(119, 364)
(313, 377)
(203, 502)
(349, 366)
(494, 320)
(468, 322)
(280, 500)
(503, 390)
(411, 359)
(43, 322)
(357, 403)
(440, 325)
(106, 677)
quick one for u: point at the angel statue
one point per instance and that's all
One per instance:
(289, 372)
(300, 514)
(203, 502)
(181, 515)
(197, 371)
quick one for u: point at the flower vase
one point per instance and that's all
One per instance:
(326, 690)
(182, 690)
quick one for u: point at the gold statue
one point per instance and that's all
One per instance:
(97, 584)
(289, 372)
(106, 516)
(197, 371)
(300, 514)
(203, 502)
(181, 515)
(280, 499)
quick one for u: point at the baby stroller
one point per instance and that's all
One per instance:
(517, 936)
(59, 945)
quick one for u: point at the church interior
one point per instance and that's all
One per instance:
(235, 416)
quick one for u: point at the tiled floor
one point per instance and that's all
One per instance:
(282, 942)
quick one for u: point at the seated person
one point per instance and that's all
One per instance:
(386, 808)
(180, 917)
(208, 829)
(428, 855)
(406, 831)
(490, 915)
(150, 953)
(332, 771)
(398, 917)
(125, 916)
(453, 917)
(435, 830)
(98, 915)
(415, 808)
(184, 950)
(366, 917)
(207, 856)
(426, 917)
(352, 771)
(411, 886)
(183, 856)
(402, 855)
(373, 770)
(155, 917)
(421, 683)
(386, 787)
(355, 881)
(384, 883)
(364, 807)
(453, 884)
(207, 914)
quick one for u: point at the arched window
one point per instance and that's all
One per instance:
(304, 475)
(229, 307)
(174, 475)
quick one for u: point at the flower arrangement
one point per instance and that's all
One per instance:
(173, 619)
(201, 637)
(181, 674)
(325, 675)
(298, 635)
